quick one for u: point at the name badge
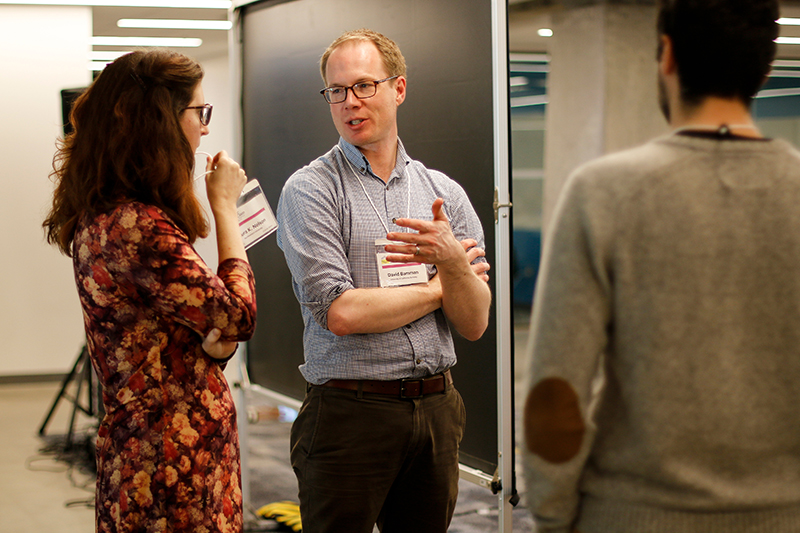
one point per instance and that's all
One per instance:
(256, 219)
(393, 274)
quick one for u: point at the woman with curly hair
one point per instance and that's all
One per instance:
(159, 323)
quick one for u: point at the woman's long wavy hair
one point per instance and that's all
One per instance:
(128, 145)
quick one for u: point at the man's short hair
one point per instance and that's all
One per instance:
(722, 48)
(393, 59)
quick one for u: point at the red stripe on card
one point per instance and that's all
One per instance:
(400, 265)
(248, 219)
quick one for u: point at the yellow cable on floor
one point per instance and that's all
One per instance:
(286, 513)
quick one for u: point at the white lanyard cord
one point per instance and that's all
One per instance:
(200, 152)
(358, 177)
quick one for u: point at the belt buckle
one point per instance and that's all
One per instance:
(403, 388)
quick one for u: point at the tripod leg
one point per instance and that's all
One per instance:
(88, 374)
(64, 384)
(76, 404)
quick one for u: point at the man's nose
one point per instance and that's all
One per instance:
(351, 99)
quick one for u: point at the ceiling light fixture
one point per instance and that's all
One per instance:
(784, 74)
(518, 81)
(167, 24)
(170, 42)
(96, 66)
(788, 40)
(106, 55)
(545, 32)
(786, 63)
(526, 101)
(528, 58)
(774, 93)
(788, 21)
(193, 4)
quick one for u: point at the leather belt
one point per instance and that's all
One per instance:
(402, 388)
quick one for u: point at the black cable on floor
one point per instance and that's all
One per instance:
(74, 457)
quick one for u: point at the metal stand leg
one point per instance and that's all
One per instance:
(81, 373)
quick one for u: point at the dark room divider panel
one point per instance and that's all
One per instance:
(446, 122)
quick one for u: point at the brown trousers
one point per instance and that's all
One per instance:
(377, 459)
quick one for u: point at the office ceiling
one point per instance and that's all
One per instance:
(524, 21)
(215, 42)
(526, 17)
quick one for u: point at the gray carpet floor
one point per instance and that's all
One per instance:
(271, 480)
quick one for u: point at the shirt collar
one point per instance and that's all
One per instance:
(361, 164)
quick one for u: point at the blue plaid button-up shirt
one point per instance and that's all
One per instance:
(327, 231)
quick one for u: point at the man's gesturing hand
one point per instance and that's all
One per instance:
(434, 242)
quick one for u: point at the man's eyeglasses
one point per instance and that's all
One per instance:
(361, 90)
(205, 112)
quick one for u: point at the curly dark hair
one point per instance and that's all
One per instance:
(722, 47)
(128, 145)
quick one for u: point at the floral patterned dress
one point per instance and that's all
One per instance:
(167, 449)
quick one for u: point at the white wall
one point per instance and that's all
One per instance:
(43, 49)
(217, 89)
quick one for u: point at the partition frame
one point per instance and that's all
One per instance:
(507, 495)
(502, 481)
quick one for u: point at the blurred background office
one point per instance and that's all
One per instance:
(582, 76)
(582, 82)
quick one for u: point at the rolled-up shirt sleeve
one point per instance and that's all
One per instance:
(310, 235)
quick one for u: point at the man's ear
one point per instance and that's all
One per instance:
(666, 59)
(400, 88)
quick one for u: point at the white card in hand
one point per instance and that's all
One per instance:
(256, 219)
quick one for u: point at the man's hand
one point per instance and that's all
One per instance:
(434, 242)
(473, 252)
(216, 348)
(465, 295)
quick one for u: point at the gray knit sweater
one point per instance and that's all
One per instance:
(664, 360)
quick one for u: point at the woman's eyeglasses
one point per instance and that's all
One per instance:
(205, 112)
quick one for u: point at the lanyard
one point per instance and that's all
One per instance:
(722, 130)
(358, 177)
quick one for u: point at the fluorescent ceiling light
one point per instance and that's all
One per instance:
(528, 58)
(786, 21)
(788, 40)
(95, 66)
(545, 32)
(167, 24)
(194, 4)
(527, 101)
(529, 67)
(106, 55)
(786, 63)
(518, 81)
(784, 74)
(774, 93)
(173, 42)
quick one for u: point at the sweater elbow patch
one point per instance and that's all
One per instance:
(554, 427)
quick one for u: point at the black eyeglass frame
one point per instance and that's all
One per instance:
(374, 83)
(205, 112)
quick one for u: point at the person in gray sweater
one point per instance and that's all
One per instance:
(664, 359)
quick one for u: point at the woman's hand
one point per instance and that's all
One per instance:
(216, 348)
(224, 186)
(225, 182)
